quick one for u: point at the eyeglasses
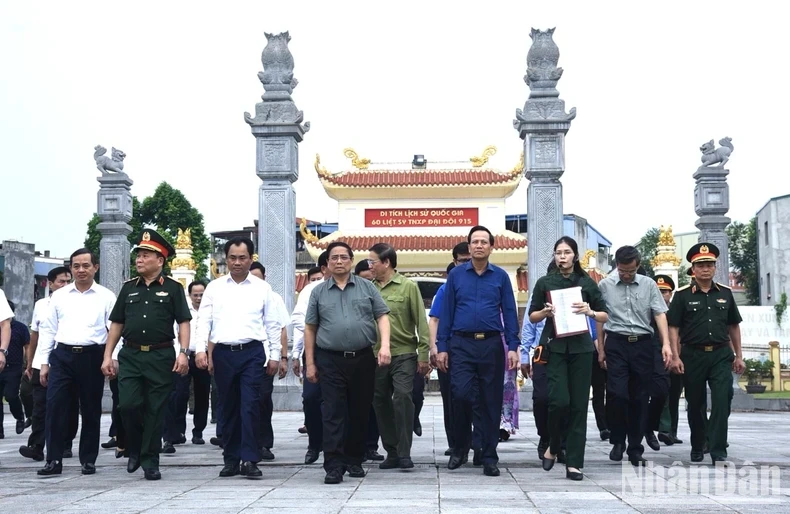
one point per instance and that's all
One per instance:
(563, 252)
(371, 262)
(627, 273)
(342, 258)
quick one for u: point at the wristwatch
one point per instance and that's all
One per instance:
(283, 358)
(4, 351)
(184, 351)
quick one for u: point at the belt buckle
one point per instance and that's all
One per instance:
(708, 348)
(349, 355)
(145, 347)
(480, 335)
(235, 347)
(76, 349)
(632, 339)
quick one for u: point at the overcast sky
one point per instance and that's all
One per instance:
(168, 83)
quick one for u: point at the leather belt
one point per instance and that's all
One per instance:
(631, 338)
(478, 335)
(237, 347)
(148, 347)
(80, 349)
(347, 355)
(706, 347)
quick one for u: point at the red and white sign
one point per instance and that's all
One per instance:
(430, 217)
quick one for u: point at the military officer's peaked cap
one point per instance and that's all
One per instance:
(153, 241)
(702, 252)
(664, 282)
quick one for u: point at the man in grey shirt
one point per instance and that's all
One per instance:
(626, 350)
(339, 334)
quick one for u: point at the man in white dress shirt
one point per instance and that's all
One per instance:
(234, 319)
(5, 328)
(77, 328)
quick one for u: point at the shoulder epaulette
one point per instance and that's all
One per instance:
(722, 285)
(130, 280)
(682, 288)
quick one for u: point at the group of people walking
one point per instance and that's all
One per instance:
(365, 346)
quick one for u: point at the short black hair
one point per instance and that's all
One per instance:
(361, 266)
(312, 271)
(336, 244)
(640, 270)
(84, 251)
(460, 249)
(257, 265)
(478, 228)
(240, 240)
(385, 253)
(450, 267)
(195, 283)
(55, 272)
(626, 254)
(11, 304)
(323, 260)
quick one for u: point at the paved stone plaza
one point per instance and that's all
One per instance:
(190, 481)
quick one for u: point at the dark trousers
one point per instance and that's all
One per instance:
(116, 426)
(372, 435)
(347, 394)
(311, 403)
(265, 429)
(477, 368)
(38, 431)
(569, 396)
(540, 399)
(176, 413)
(10, 379)
(74, 373)
(630, 376)
(392, 400)
(715, 369)
(213, 400)
(658, 390)
(598, 379)
(145, 380)
(669, 416)
(447, 407)
(26, 395)
(418, 396)
(238, 374)
(173, 427)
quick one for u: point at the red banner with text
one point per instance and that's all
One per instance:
(431, 217)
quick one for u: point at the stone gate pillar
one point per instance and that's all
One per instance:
(19, 278)
(115, 212)
(542, 125)
(278, 128)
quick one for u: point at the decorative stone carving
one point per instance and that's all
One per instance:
(278, 82)
(106, 164)
(712, 155)
(480, 160)
(184, 239)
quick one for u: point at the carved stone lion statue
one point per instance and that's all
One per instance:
(106, 164)
(712, 155)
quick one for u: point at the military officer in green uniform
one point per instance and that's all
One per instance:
(704, 318)
(668, 422)
(144, 316)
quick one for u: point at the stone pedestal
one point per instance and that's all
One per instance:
(115, 212)
(19, 278)
(542, 125)
(711, 203)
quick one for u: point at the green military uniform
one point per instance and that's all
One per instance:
(704, 319)
(145, 363)
(668, 423)
(569, 367)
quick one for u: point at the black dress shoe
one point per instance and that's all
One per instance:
(456, 461)
(20, 426)
(637, 461)
(705, 448)
(311, 456)
(250, 470)
(356, 471)
(302, 429)
(333, 476)
(543, 445)
(52, 467)
(675, 439)
(390, 463)
(373, 455)
(417, 428)
(31, 452)
(562, 456)
(617, 452)
(198, 440)
(67, 453)
(721, 461)
(88, 469)
(152, 474)
(216, 441)
(111, 443)
(605, 434)
(266, 454)
(490, 470)
(697, 455)
(229, 470)
(573, 475)
(406, 463)
(120, 452)
(652, 442)
(213, 421)
(477, 457)
(181, 439)
(548, 463)
(28, 422)
(133, 464)
(504, 435)
(666, 438)
(168, 448)
(448, 452)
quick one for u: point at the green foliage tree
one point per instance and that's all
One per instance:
(743, 257)
(166, 211)
(648, 248)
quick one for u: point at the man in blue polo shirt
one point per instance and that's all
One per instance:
(477, 308)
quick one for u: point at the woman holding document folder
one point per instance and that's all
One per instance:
(564, 296)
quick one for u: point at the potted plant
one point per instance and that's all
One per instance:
(755, 371)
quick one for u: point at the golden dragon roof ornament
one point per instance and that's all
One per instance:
(306, 233)
(360, 164)
(480, 160)
(320, 169)
(519, 168)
